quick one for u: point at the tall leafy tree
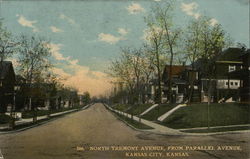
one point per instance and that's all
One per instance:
(7, 43)
(205, 41)
(154, 51)
(34, 61)
(168, 36)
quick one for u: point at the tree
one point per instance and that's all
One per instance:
(34, 62)
(192, 46)
(132, 71)
(124, 70)
(166, 38)
(7, 44)
(154, 51)
(51, 87)
(204, 42)
(86, 98)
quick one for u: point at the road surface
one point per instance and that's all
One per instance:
(65, 137)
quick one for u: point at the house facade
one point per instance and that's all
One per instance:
(7, 83)
(178, 83)
(224, 88)
(244, 75)
(229, 82)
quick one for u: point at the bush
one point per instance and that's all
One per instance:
(4, 119)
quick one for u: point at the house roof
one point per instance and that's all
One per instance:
(176, 69)
(231, 54)
(246, 54)
(5, 68)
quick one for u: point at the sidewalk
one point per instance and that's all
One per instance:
(39, 118)
(212, 127)
(149, 109)
(164, 116)
(160, 129)
(157, 127)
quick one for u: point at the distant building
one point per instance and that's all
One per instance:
(7, 83)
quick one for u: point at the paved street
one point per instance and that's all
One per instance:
(96, 126)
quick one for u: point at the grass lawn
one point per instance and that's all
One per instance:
(236, 128)
(138, 108)
(30, 114)
(135, 124)
(132, 109)
(195, 115)
(121, 107)
(158, 111)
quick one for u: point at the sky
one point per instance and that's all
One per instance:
(85, 35)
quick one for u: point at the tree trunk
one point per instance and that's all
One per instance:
(170, 79)
(209, 101)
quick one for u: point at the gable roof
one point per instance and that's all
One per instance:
(176, 69)
(6, 67)
(231, 54)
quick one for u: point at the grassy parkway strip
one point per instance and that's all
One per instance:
(28, 123)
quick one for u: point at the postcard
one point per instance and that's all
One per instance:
(124, 79)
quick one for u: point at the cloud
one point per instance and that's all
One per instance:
(213, 22)
(122, 31)
(108, 38)
(68, 19)
(73, 62)
(80, 77)
(55, 51)
(84, 79)
(189, 9)
(60, 72)
(111, 39)
(55, 29)
(135, 8)
(27, 23)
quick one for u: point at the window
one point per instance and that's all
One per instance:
(236, 83)
(226, 83)
(231, 68)
(231, 83)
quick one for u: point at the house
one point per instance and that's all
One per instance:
(152, 90)
(223, 87)
(178, 84)
(7, 83)
(20, 94)
(244, 75)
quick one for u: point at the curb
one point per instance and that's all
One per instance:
(185, 133)
(153, 130)
(125, 122)
(44, 122)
